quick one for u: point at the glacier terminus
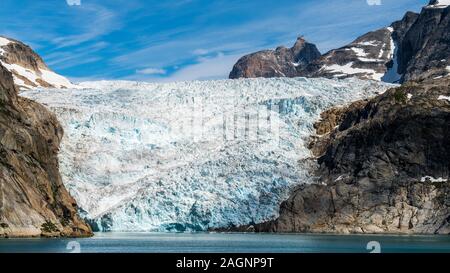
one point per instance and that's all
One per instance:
(190, 156)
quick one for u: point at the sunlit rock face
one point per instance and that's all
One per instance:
(190, 155)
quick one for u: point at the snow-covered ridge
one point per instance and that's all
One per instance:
(27, 78)
(190, 155)
(364, 58)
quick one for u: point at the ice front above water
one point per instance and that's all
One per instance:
(190, 156)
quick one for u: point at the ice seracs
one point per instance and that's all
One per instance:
(190, 155)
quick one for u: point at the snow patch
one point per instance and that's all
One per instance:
(348, 69)
(360, 52)
(3, 42)
(441, 97)
(369, 43)
(432, 179)
(369, 60)
(190, 155)
(55, 79)
(48, 76)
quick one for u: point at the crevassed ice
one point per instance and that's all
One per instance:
(190, 155)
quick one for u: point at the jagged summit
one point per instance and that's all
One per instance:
(281, 62)
(28, 68)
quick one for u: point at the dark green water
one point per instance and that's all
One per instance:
(229, 243)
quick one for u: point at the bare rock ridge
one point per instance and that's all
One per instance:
(282, 62)
(366, 58)
(33, 199)
(28, 68)
(413, 48)
(385, 169)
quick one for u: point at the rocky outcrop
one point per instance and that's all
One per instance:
(28, 68)
(384, 169)
(282, 62)
(33, 200)
(329, 120)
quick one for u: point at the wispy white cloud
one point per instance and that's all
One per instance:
(93, 22)
(209, 68)
(151, 71)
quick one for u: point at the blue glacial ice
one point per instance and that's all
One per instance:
(190, 155)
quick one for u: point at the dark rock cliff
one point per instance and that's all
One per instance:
(28, 68)
(425, 50)
(33, 200)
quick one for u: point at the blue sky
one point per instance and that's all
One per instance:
(184, 39)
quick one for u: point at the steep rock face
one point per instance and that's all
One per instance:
(282, 62)
(425, 50)
(28, 68)
(33, 200)
(385, 169)
(402, 26)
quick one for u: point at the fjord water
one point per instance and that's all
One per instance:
(110, 242)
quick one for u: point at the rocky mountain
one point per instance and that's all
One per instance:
(366, 58)
(384, 169)
(413, 48)
(33, 200)
(28, 68)
(281, 62)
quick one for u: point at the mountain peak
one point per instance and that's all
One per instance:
(299, 45)
(28, 68)
(281, 62)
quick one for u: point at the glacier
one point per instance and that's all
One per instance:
(190, 156)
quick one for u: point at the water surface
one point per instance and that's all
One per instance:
(228, 243)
